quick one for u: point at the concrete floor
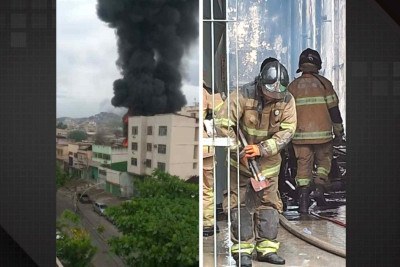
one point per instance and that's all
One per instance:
(295, 251)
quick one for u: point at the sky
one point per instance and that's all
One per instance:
(86, 56)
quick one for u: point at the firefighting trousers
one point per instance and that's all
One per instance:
(307, 156)
(208, 193)
(261, 227)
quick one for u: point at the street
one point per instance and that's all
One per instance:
(91, 221)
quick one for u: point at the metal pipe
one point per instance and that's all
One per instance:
(227, 93)
(212, 92)
(237, 147)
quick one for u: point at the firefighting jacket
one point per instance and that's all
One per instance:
(208, 151)
(270, 125)
(314, 96)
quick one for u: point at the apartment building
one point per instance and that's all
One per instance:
(109, 170)
(61, 133)
(111, 157)
(168, 142)
(61, 153)
(79, 156)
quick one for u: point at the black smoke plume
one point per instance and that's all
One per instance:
(152, 37)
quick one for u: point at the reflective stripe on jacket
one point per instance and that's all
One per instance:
(208, 151)
(314, 95)
(269, 124)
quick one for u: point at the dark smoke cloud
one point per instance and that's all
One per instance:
(152, 37)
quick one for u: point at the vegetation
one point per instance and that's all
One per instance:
(160, 225)
(61, 125)
(61, 176)
(77, 135)
(73, 244)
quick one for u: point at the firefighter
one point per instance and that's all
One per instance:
(266, 114)
(208, 158)
(317, 116)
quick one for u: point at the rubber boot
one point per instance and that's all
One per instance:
(245, 260)
(304, 199)
(271, 258)
(318, 195)
(209, 231)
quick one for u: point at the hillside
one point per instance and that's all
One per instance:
(104, 120)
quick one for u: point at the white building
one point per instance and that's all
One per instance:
(168, 142)
(190, 111)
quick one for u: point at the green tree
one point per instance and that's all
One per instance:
(61, 176)
(77, 135)
(61, 125)
(73, 246)
(160, 226)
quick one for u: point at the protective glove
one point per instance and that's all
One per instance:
(338, 140)
(338, 131)
(252, 151)
(208, 124)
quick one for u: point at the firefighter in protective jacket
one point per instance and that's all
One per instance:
(266, 114)
(208, 158)
(317, 116)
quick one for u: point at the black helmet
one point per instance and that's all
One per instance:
(267, 60)
(310, 56)
(273, 80)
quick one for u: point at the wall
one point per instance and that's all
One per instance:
(119, 155)
(140, 138)
(61, 151)
(73, 148)
(102, 178)
(184, 149)
(120, 166)
(126, 184)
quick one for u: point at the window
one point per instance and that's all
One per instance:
(149, 147)
(161, 166)
(107, 157)
(134, 146)
(103, 172)
(194, 165)
(75, 155)
(149, 130)
(196, 134)
(148, 163)
(162, 130)
(195, 152)
(134, 130)
(134, 161)
(162, 149)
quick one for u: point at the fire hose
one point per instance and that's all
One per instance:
(295, 230)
